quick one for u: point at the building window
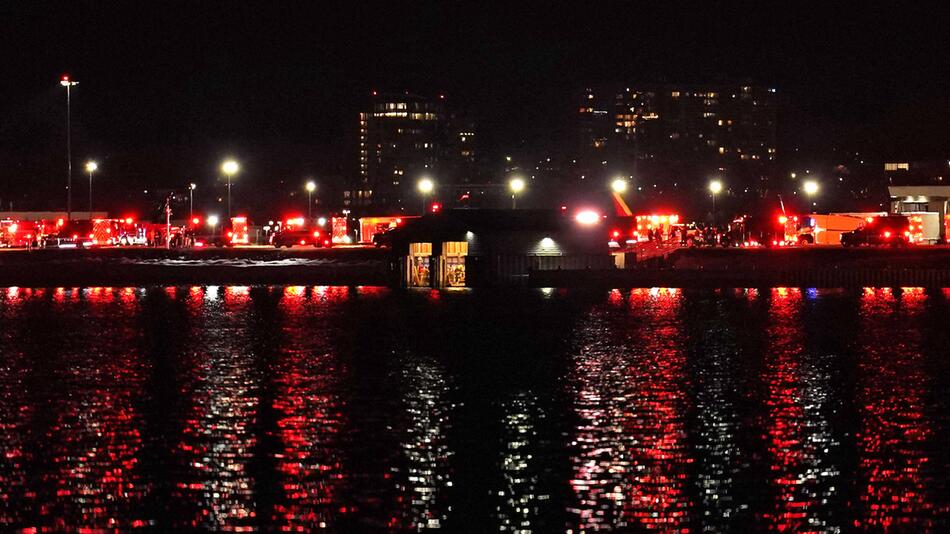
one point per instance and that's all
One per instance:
(897, 166)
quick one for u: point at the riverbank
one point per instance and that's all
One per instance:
(810, 267)
(143, 266)
(796, 267)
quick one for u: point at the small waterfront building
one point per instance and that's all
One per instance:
(917, 199)
(466, 248)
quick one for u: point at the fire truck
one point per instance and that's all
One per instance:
(826, 229)
(17, 234)
(234, 234)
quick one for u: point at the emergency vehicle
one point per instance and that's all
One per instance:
(17, 234)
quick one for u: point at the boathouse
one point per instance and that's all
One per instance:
(469, 248)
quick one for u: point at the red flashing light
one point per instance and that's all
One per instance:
(128, 220)
(199, 244)
(326, 242)
(195, 221)
(59, 222)
(316, 234)
(887, 235)
(230, 234)
(303, 242)
(239, 219)
(616, 233)
(436, 207)
(782, 219)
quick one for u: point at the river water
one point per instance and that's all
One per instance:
(361, 409)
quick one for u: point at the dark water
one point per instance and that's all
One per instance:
(361, 409)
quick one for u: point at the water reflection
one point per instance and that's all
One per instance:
(364, 409)
(632, 458)
(799, 441)
(895, 434)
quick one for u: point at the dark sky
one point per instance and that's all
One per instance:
(168, 88)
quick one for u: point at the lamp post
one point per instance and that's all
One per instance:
(311, 187)
(229, 168)
(715, 187)
(516, 185)
(191, 200)
(91, 167)
(68, 83)
(425, 186)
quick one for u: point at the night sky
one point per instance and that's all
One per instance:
(167, 90)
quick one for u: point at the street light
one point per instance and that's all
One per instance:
(516, 185)
(91, 167)
(311, 187)
(619, 185)
(715, 187)
(229, 168)
(66, 82)
(213, 223)
(425, 186)
(810, 187)
(191, 199)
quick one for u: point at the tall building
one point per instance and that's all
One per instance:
(401, 138)
(677, 125)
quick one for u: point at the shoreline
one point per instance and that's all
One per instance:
(704, 268)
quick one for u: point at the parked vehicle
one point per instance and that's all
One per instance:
(383, 239)
(892, 230)
(294, 236)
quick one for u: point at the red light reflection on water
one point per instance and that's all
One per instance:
(894, 429)
(797, 433)
(309, 418)
(632, 458)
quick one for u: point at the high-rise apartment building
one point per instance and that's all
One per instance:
(402, 137)
(708, 125)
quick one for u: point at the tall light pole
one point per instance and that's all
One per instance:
(191, 200)
(67, 83)
(516, 185)
(91, 167)
(311, 187)
(425, 186)
(715, 187)
(229, 168)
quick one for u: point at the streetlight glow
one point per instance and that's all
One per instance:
(91, 166)
(516, 185)
(311, 186)
(619, 185)
(810, 187)
(230, 167)
(212, 220)
(426, 186)
(715, 187)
